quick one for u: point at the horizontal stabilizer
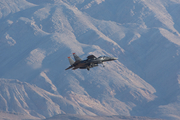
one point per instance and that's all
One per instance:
(69, 67)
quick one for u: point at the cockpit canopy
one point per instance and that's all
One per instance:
(91, 57)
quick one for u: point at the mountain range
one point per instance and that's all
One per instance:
(37, 36)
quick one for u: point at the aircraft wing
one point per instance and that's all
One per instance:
(77, 58)
(69, 67)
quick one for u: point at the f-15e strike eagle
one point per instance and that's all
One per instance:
(90, 62)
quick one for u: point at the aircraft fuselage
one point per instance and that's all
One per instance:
(90, 62)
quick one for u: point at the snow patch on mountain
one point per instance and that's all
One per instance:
(10, 40)
(35, 58)
(43, 13)
(161, 13)
(170, 36)
(13, 6)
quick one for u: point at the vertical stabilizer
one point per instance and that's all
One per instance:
(77, 58)
(71, 61)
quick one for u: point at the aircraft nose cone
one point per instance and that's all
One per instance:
(115, 58)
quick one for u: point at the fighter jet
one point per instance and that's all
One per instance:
(90, 62)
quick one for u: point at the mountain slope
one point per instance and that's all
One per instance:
(37, 37)
(81, 117)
